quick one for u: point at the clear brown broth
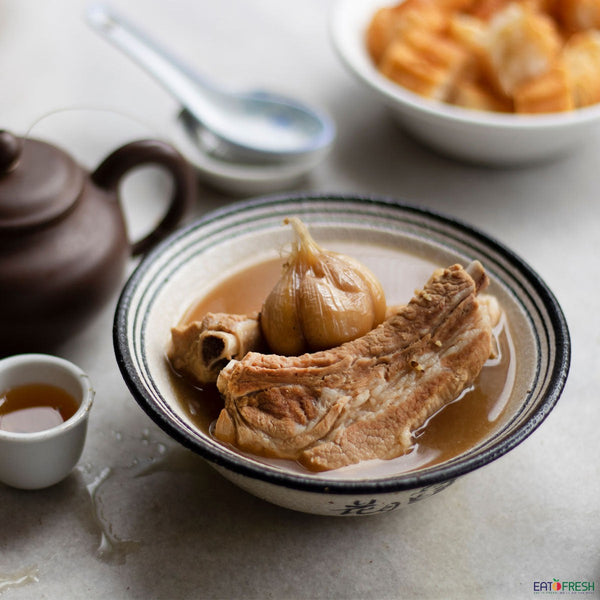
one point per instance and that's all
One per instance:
(453, 430)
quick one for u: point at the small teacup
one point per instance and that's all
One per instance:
(42, 458)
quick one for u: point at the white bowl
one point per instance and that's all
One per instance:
(41, 459)
(476, 136)
(379, 232)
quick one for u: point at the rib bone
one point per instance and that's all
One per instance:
(200, 349)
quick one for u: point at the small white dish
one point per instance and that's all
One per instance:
(239, 179)
(41, 459)
(476, 136)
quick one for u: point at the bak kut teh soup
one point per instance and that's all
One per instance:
(457, 427)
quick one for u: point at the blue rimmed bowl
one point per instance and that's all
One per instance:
(380, 232)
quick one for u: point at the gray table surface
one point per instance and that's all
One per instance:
(140, 517)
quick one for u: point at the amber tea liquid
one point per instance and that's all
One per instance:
(35, 407)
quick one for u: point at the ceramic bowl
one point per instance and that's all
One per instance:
(381, 233)
(475, 136)
(41, 459)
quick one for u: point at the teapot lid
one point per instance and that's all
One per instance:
(38, 182)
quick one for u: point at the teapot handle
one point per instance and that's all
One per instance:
(143, 152)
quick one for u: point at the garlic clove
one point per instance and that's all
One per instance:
(334, 309)
(279, 318)
(374, 287)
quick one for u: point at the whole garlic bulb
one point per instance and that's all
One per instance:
(322, 300)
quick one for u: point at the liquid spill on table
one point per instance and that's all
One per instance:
(25, 576)
(153, 456)
(147, 454)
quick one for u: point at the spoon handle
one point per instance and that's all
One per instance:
(192, 92)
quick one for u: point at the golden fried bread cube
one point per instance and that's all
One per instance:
(437, 49)
(550, 7)
(581, 57)
(486, 9)
(425, 63)
(380, 32)
(579, 15)
(468, 31)
(455, 6)
(405, 66)
(426, 15)
(478, 96)
(392, 22)
(521, 44)
(547, 93)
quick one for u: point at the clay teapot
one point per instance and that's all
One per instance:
(63, 238)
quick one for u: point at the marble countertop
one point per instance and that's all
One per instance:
(140, 516)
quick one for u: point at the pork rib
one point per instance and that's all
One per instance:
(362, 400)
(200, 349)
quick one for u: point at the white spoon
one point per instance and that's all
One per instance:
(248, 128)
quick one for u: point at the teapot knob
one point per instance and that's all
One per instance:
(10, 150)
